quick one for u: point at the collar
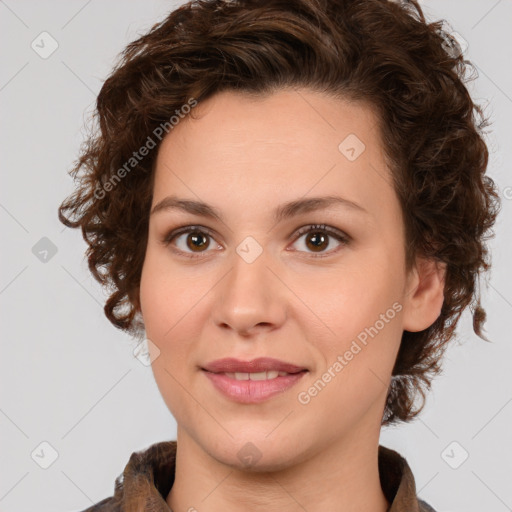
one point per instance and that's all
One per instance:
(149, 476)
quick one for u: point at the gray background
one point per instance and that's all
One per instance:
(69, 378)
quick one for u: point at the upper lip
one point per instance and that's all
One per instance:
(260, 364)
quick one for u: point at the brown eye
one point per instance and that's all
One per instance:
(189, 240)
(197, 240)
(317, 240)
(318, 237)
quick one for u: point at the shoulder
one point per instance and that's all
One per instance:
(425, 507)
(105, 505)
(148, 475)
(398, 482)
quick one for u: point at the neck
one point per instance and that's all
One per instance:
(342, 476)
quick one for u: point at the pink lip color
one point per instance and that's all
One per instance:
(260, 364)
(252, 391)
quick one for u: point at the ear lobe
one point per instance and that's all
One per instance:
(425, 294)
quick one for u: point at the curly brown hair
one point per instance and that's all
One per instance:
(379, 52)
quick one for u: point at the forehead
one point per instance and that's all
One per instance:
(266, 149)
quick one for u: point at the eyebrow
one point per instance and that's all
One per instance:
(282, 212)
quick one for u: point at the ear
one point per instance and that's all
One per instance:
(424, 295)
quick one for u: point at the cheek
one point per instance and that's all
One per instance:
(167, 309)
(173, 313)
(164, 296)
(357, 360)
(357, 318)
(349, 299)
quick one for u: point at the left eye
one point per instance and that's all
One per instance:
(198, 239)
(318, 237)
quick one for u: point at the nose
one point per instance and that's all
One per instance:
(251, 298)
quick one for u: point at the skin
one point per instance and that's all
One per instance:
(246, 156)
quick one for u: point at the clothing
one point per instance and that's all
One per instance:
(149, 476)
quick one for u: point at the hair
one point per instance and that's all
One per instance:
(381, 53)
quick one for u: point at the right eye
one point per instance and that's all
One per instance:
(197, 240)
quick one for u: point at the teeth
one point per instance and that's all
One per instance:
(256, 375)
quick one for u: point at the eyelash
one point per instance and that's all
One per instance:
(335, 233)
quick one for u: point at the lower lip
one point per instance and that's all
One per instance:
(252, 391)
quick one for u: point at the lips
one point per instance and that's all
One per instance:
(259, 365)
(254, 387)
(273, 374)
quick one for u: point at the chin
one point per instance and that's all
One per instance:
(255, 453)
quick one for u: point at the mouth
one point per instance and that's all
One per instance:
(256, 386)
(261, 368)
(270, 375)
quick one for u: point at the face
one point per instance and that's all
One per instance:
(318, 284)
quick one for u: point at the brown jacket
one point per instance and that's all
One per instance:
(149, 475)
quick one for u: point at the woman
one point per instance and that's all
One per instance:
(289, 199)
